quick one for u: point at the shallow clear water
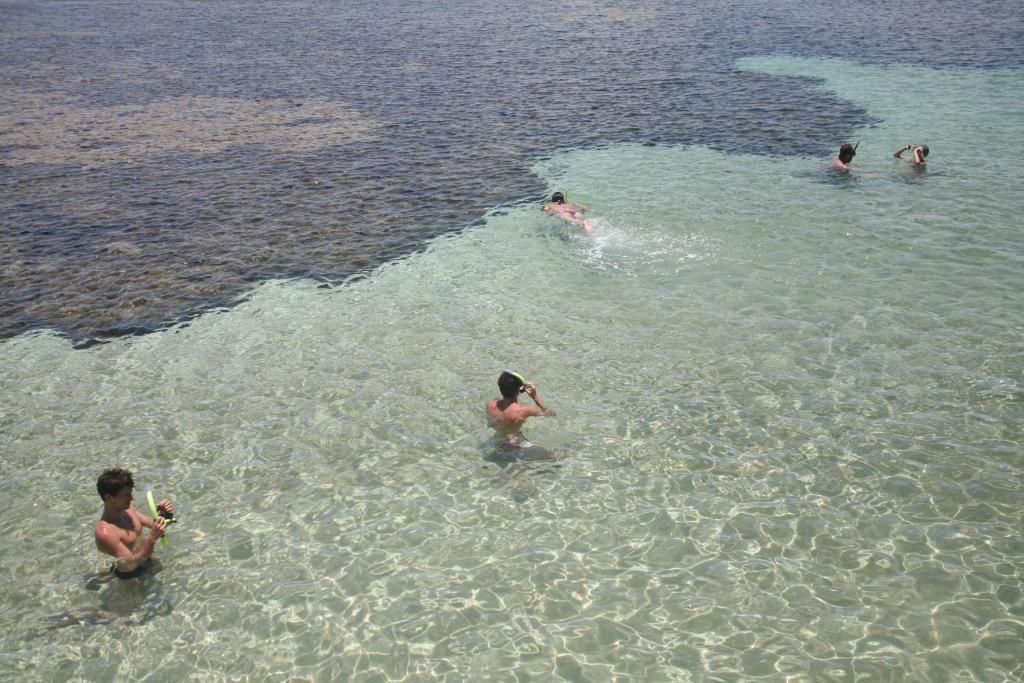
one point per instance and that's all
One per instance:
(788, 442)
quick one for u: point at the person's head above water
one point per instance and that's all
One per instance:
(113, 481)
(510, 384)
(558, 198)
(846, 153)
(924, 151)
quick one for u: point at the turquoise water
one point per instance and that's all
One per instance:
(788, 441)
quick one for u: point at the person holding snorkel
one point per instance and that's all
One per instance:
(119, 531)
(920, 152)
(506, 415)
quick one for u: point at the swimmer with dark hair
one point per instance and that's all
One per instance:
(558, 206)
(119, 531)
(506, 415)
(920, 152)
(842, 162)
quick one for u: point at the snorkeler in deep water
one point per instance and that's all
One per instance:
(842, 162)
(119, 531)
(573, 213)
(920, 152)
(506, 415)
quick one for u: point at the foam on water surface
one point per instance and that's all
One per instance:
(788, 433)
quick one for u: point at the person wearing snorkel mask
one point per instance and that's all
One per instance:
(506, 415)
(558, 206)
(842, 162)
(920, 152)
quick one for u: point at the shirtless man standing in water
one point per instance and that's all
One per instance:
(119, 531)
(568, 211)
(506, 415)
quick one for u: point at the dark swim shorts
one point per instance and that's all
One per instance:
(140, 569)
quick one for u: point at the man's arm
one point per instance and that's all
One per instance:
(901, 150)
(531, 391)
(109, 541)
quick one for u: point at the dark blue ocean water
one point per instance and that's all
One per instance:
(156, 159)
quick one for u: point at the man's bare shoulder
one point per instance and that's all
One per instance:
(521, 412)
(108, 530)
(109, 536)
(129, 522)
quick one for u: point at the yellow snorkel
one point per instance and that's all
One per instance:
(520, 378)
(155, 512)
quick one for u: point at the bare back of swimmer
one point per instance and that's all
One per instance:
(506, 415)
(573, 213)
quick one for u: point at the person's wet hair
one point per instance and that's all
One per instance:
(509, 385)
(112, 481)
(558, 198)
(924, 151)
(846, 153)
